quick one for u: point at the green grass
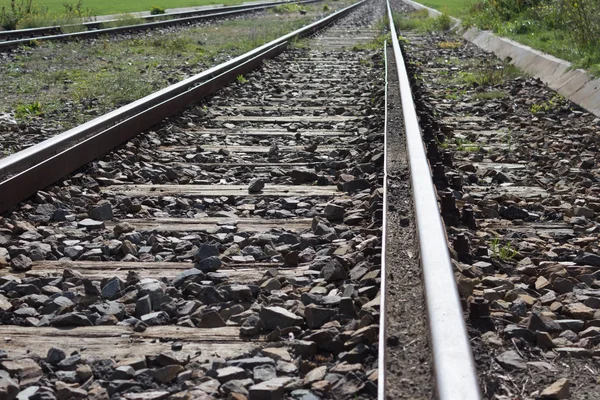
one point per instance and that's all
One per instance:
(455, 8)
(66, 84)
(523, 30)
(420, 21)
(491, 95)
(286, 9)
(559, 45)
(103, 7)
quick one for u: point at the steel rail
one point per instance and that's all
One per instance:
(214, 13)
(454, 368)
(381, 359)
(32, 169)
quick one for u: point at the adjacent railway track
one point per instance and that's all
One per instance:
(15, 38)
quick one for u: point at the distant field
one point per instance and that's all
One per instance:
(456, 8)
(101, 7)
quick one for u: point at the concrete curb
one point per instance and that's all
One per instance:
(574, 84)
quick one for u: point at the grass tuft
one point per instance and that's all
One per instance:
(491, 95)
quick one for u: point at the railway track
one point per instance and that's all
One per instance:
(232, 250)
(276, 290)
(16, 38)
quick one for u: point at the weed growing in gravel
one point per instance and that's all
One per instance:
(449, 45)
(366, 62)
(489, 74)
(241, 79)
(156, 10)
(466, 145)
(24, 111)
(491, 95)
(375, 44)
(7, 151)
(549, 105)
(298, 43)
(421, 21)
(454, 94)
(504, 252)
(123, 20)
(286, 9)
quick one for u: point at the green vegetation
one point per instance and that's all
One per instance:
(375, 44)
(286, 9)
(460, 144)
(504, 252)
(24, 111)
(66, 84)
(241, 79)
(455, 8)
(421, 21)
(569, 29)
(491, 95)
(105, 7)
(123, 20)
(25, 14)
(155, 10)
(466, 145)
(488, 73)
(450, 45)
(555, 102)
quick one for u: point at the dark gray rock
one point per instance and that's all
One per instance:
(300, 176)
(156, 318)
(143, 306)
(317, 316)
(101, 212)
(511, 360)
(333, 271)
(584, 258)
(264, 372)
(211, 295)
(210, 319)
(8, 387)
(122, 373)
(112, 289)
(21, 263)
(539, 322)
(256, 186)
(55, 355)
(189, 273)
(206, 250)
(278, 317)
(251, 326)
(334, 212)
(210, 264)
(70, 319)
(512, 212)
(356, 185)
